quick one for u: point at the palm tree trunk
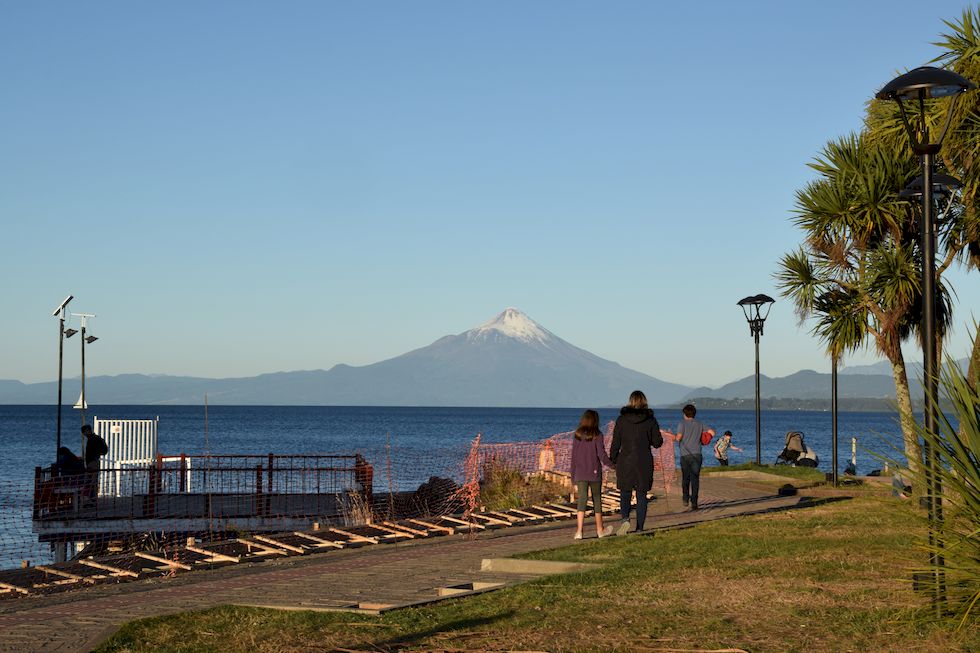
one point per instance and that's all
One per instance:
(913, 452)
(973, 372)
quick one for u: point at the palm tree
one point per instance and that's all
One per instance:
(858, 270)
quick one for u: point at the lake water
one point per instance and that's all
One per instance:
(420, 442)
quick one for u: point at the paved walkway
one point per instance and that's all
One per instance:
(373, 577)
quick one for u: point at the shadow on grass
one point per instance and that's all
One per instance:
(700, 517)
(391, 644)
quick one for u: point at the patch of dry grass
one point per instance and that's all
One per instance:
(829, 578)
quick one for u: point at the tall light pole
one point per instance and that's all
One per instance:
(86, 340)
(917, 86)
(752, 307)
(60, 314)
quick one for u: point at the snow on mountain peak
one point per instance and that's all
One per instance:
(514, 324)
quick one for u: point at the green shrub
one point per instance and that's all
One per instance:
(505, 487)
(958, 534)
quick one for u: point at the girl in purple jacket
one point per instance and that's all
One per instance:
(588, 457)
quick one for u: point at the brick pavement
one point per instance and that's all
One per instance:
(391, 574)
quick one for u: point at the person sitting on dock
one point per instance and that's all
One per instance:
(68, 464)
(95, 448)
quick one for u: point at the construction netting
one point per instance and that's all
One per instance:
(251, 501)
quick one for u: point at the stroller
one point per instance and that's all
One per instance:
(796, 452)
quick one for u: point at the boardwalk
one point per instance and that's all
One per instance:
(378, 577)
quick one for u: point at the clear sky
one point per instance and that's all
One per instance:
(246, 187)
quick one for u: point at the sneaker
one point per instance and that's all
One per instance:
(605, 532)
(624, 527)
(686, 502)
(578, 536)
(694, 507)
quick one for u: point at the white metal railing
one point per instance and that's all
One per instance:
(132, 444)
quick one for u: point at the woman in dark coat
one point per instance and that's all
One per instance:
(636, 432)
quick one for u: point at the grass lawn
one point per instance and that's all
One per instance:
(827, 578)
(807, 474)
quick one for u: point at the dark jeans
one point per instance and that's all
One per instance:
(722, 461)
(641, 506)
(690, 478)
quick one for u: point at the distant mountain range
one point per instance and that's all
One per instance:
(508, 361)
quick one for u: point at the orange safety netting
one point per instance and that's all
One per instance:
(548, 455)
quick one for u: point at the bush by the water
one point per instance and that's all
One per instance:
(505, 487)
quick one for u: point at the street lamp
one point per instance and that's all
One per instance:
(752, 307)
(60, 314)
(86, 340)
(917, 86)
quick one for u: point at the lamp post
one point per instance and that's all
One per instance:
(917, 86)
(752, 307)
(833, 412)
(60, 314)
(86, 340)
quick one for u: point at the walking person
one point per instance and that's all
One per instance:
(722, 446)
(635, 434)
(588, 457)
(688, 434)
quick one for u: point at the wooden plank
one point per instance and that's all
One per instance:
(511, 519)
(568, 510)
(491, 520)
(263, 549)
(58, 572)
(464, 523)
(407, 529)
(161, 560)
(432, 527)
(318, 540)
(548, 510)
(14, 588)
(279, 545)
(354, 536)
(529, 515)
(105, 567)
(392, 531)
(215, 557)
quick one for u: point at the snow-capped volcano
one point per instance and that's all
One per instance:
(509, 361)
(513, 324)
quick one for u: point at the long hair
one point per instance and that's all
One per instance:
(638, 400)
(588, 426)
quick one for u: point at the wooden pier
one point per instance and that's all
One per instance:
(197, 494)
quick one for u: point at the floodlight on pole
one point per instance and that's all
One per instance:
(85, 340)
(60, 314)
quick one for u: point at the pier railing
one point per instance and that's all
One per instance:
(215, 486)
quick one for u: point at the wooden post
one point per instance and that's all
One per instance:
(269, 485)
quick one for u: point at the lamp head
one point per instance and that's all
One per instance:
(941, 184)
(70, 332)
(91, 339)
(925, 82)
(753, 306)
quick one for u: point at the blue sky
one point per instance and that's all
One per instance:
(244, 187)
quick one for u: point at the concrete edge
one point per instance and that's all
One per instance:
(533, 567)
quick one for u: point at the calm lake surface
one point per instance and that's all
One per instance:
(422, 442)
